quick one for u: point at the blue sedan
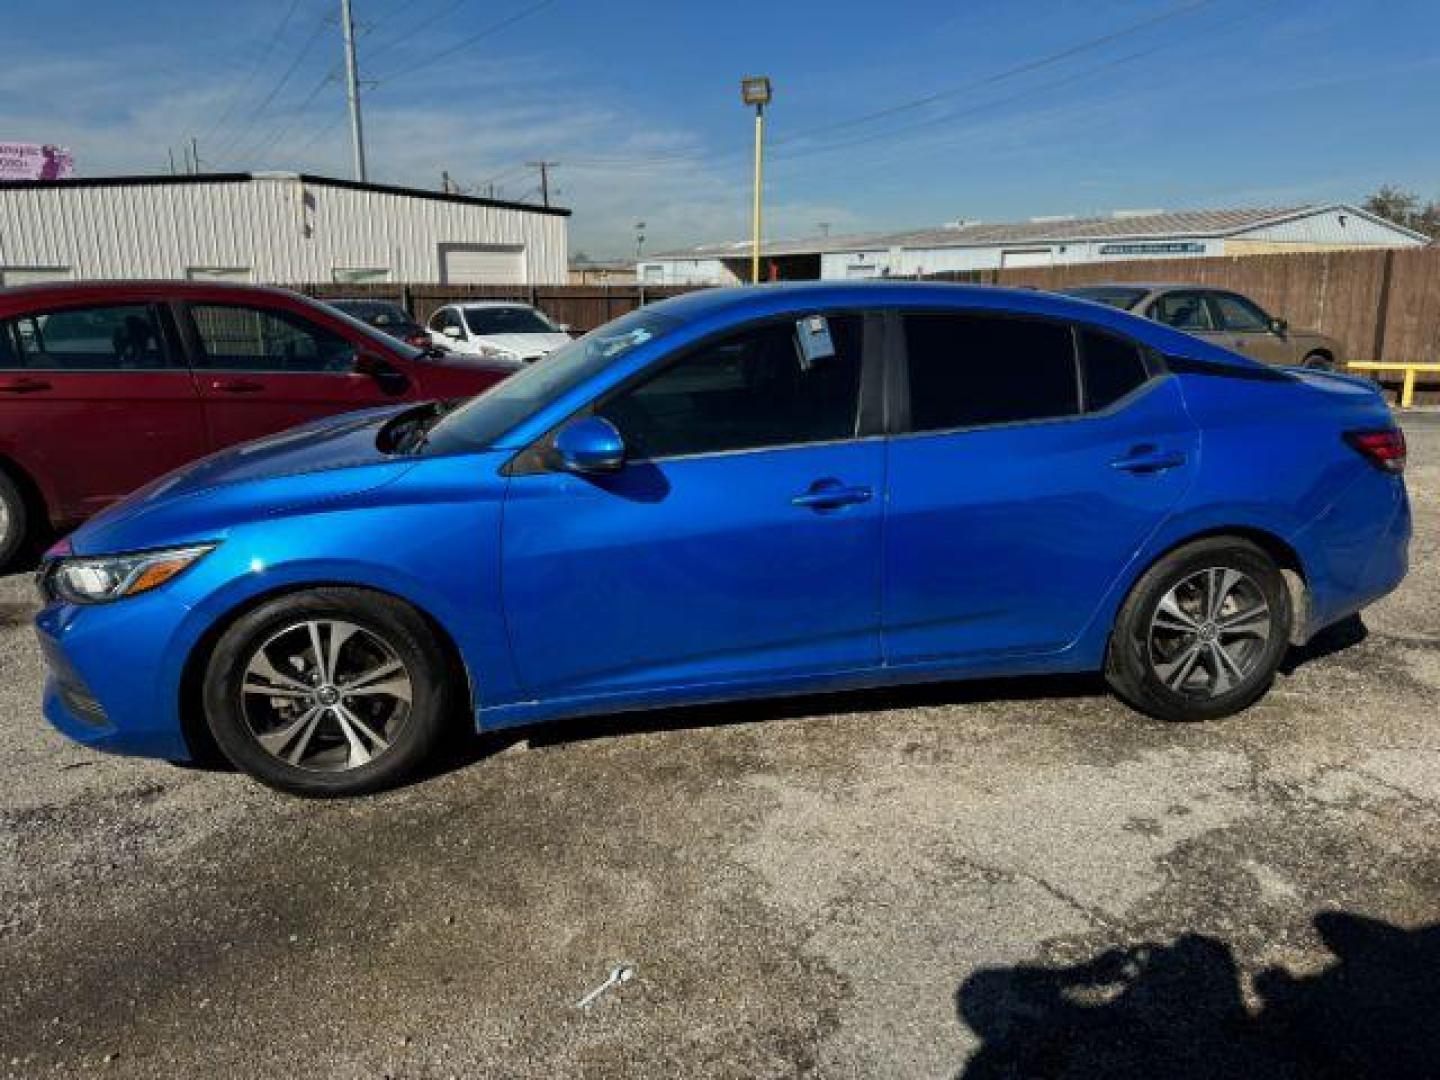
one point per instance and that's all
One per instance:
(734, 494)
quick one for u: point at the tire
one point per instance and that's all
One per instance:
(366, 723)
(1318, 361)
(1175, 658)
(14, 521)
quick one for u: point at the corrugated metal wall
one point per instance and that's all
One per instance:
(280, 229)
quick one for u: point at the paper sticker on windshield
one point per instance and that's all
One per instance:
(813, 332)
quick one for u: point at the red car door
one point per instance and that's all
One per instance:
(95, 400)
(261, 369)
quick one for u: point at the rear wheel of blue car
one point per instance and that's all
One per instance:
(1202, 632)
(331, 691)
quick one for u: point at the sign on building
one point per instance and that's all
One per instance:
(34, 161)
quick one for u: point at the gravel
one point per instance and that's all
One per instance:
(1018, 878)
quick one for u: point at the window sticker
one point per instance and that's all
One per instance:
(813, 333)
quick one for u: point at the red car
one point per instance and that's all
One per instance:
(104, 386)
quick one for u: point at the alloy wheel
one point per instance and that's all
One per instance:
(326, 695)
(1209, 633)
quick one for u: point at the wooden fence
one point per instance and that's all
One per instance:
(1381, 305)
(580, 307)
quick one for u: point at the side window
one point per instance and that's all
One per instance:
(238, 338)
(9, 351)
(971, 370)
(1183, 311)
(120, 337)
(1239, 314)
(777, 384)
(1110, 368)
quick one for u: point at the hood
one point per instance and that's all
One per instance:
(527, 344)
(326, 461)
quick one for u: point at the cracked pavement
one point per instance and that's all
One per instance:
(1018, 878)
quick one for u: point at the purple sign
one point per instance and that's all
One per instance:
(34, 161)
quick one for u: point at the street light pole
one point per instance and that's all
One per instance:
(756, 91)
(352, 90)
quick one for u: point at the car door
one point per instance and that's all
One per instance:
(739, 543)
(1033, 460)
(96, 401)
(1246, 328)
(261, 370)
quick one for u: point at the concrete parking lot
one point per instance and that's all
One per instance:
(1001, 879)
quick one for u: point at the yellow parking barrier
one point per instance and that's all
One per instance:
(1410, 371)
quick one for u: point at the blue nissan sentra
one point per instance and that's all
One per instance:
(733, 494)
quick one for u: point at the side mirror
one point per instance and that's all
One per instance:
(452, 332)
(377, 368)
(590, 445)
(564, 327)
(1279, 326)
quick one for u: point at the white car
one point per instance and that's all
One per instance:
(496, 330)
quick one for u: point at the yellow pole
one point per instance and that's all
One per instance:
(759, 184)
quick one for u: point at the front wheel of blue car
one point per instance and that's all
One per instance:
(328, 692)
(1202, 632)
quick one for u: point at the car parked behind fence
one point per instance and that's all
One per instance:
(1224, 317)
(388, 317)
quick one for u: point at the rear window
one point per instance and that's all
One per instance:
(1124, 299)
(1111, 368)
(118, 337)
(971, 370)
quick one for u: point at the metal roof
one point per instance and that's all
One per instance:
(166, 180)
(1121, 226)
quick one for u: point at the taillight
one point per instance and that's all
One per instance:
(1384, 448)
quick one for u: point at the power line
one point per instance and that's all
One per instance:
(434, 17)
(259, 110)
(1008, 73)
(465, 43)
(265, 55)
(915, 103)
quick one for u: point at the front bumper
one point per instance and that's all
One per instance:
(113, 675)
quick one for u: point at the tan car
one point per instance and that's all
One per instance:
(1226, 318)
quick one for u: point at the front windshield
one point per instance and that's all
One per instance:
(508, 320)
(510, 402)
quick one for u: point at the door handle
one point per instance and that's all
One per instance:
(23, 386)
(1148, 459)
(831, 495)
(237, 386)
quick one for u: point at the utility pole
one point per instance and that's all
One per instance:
(195, 152)
(544, 167)
(352, 90)
(171, 149)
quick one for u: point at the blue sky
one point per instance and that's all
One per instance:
(1213, 103)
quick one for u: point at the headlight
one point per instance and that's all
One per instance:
(99, 579)
(495, 352)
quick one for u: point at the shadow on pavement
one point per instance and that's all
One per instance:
(1345, 634)
(1177, 1010)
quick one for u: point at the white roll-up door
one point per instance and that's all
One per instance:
(1026, 257)
(482, 264)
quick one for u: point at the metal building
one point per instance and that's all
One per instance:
(971, 245)
(273, 228)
